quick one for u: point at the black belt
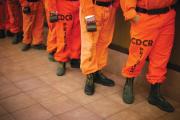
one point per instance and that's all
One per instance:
(33, 0)
(155, 11)
(104, 4)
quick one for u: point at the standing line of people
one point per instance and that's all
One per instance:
(80, 31)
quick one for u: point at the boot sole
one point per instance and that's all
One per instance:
(24, 50)
(109, 85)
(88, 93)
(128, 102)
(157, 105)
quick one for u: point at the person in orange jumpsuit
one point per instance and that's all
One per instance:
(97, 18)
(2, 25)
(33, 22)
(68, 34)
(152, 34)
(15, 16)
(4, 20)
(52, 37)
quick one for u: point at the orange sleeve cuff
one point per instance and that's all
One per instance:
(130, 14)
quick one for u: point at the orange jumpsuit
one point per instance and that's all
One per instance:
(152, 36)
(15, 16)
(51, 39)
(68, 30)
(33, 23)
(94, 51)
(2, 3)
(4, 15)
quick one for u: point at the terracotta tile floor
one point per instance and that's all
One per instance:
(30, 90)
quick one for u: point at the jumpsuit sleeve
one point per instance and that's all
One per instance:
(87, 7)
(128, 8)
(23, 3)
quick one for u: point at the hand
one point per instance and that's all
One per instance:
(135, 19)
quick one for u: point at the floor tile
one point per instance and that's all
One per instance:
(6, 117)
(104, 107)
(67, 86)
(80, 97)
(2, 111)
(106, 91)
(35, 112)
(44, 93)
(8, 90)
(127, 115)
(171, 116)
(50, 78)
(18, 75)
(30, 84)
(79, 114)
(54, 118)
(59, 105)
(148, 110)
(17, 102)
(4, 80)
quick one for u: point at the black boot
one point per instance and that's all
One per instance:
(39, 47)
(2, 34)
(61, 69)
(102, 79)
(26, 47)
(51, 57)
(128, 94)
(89, 86)
(75, 63)
(9, 33)
(18, 38)
(155, 98)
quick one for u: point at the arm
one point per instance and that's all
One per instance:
(128, 8)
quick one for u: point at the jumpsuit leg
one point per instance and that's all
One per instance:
(51, 38)
(15, 15)
(38, 25)
(65, 31)
(2, 21)
(2, 13)
(75, 37)
(143, 37)
(105, 38)
(28, 22)
(7, 18)
(94, 44)
(161, 51)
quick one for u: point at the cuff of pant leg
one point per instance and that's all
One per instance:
(129, 75)
(61, 59)
(51, 50)
(75, 56)
(86, 72)
(154, 81)
(26, 42)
